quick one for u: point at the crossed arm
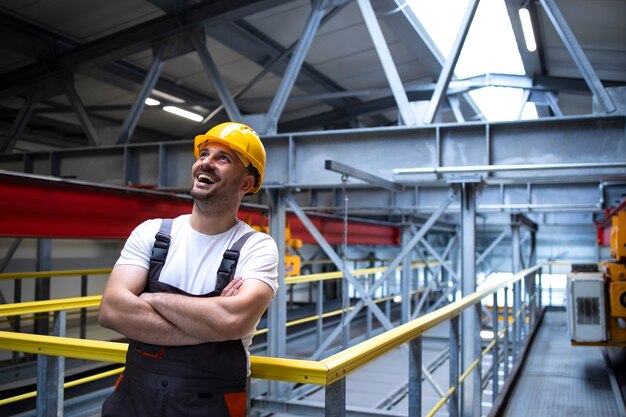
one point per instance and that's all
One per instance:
(173, 319)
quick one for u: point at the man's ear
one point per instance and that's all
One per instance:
(248, 183)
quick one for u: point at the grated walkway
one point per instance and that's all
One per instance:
(559, 379)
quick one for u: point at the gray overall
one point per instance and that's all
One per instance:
(208, 379)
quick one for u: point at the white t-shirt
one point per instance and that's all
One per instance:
(193, 258)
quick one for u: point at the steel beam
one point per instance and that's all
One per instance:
(20, 122)
(448, 68)
(129, 125)
(81, 112)
(491, 247)
(366, 297)
(297, 161)
(362, 175)
(291, 73)
(391, 72)
(132, 40)
(577, 54)
(269, 66)
(213, 72)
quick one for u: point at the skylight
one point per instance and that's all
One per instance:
(490, 47)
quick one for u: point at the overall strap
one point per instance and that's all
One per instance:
(226, 270)
(159, 249)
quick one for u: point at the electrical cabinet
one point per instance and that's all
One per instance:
(587, 321)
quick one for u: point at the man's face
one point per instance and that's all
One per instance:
(218, 174)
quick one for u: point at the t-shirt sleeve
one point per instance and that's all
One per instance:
(138, 246)
(259, 260)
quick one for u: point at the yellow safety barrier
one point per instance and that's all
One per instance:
(65, 273)
(32, 307)
(323, 372)
(70, 384)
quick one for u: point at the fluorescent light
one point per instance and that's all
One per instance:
(183, 113)
(167, 97)
(527, 28)
(486, 334)
(152, 102)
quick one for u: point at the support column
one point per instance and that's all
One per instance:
(277, 314)
(517, 286)
(406, 278)
(471, 392)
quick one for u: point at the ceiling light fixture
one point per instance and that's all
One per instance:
(167, 97)
(183, 113)
(152, 102)
(527, 28)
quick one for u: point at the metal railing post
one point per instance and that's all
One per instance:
(51, 374)
(319, 311)
(505, 319)
(415, 377)
(515, 323)
(453, 402)
(540, 291)
(496, 356)
(335, 399)
(83, 311)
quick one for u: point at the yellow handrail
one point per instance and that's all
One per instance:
(44, 306)
(290, 280)
(323, 372)
(63, 273)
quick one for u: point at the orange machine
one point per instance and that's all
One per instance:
(597, 299)
(615, 274)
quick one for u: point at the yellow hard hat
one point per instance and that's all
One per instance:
(243, 140)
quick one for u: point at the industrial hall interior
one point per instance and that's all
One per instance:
(433, 194)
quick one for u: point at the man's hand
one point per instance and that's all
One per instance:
(232, 288)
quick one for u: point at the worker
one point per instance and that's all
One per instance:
(169, 291)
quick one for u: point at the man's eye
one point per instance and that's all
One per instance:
(203, 154)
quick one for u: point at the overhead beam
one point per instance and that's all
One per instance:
(294, 66)
(448, 67)
(386, 60)
(577, 54)
(132, 40)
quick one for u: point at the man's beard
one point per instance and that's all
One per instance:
(216, 201)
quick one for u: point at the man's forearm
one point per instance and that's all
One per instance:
(138, 320)
(200, 317)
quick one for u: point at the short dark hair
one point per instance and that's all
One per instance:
(255, 173)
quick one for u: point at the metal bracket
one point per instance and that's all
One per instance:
(362, 175)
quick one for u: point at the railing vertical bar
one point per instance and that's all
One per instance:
(335, 399)
(415, 377)
(83, 311)
(496, 359)
(505, 321)
(319, 311)
(453, 402)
